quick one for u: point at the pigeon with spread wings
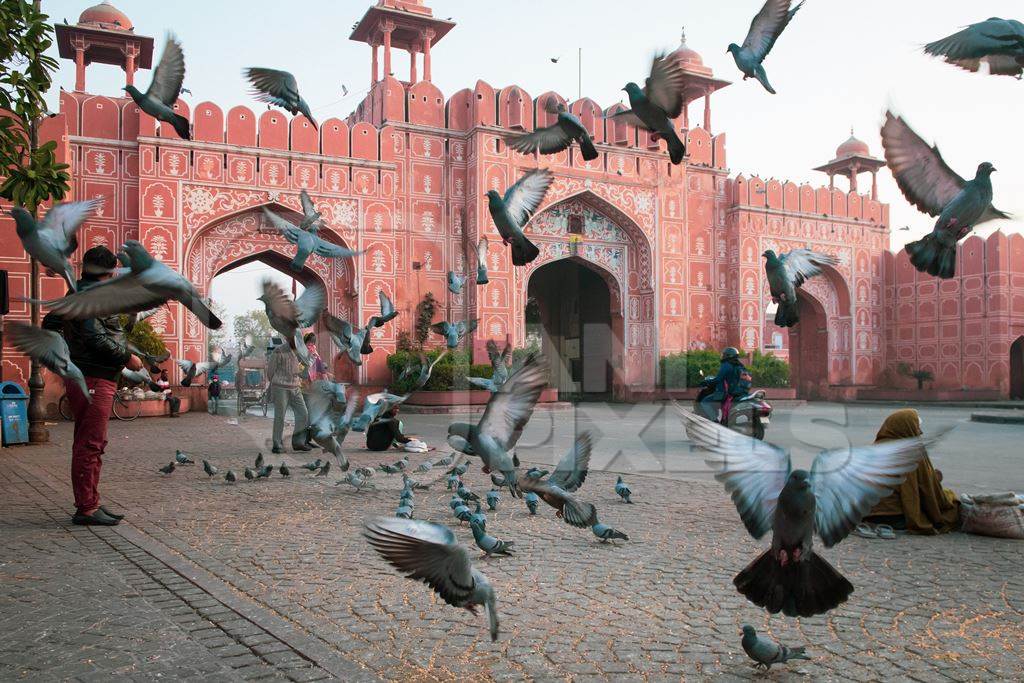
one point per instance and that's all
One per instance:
(306, 242)
(785, 273)
(764, 30)
(999, 43)
(511, 212)
(49, 349)
(158, 101)
(655, 105)
(53, 238)
(556, 137)
(278, 88)
(289, 317)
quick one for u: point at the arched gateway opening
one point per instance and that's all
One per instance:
(808, 349)
(569, 309)
(1017, 368)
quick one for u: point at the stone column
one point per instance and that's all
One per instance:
(387, 27)
(428, 35)
(130, 52)
(831, 181)
(707, 111)
(79, 45)
(854, 170)
(373, 64)
(412, 65)
(874, 185)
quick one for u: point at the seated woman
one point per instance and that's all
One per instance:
(385, 431)
(920, 505)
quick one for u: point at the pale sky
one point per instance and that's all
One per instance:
(837, 65)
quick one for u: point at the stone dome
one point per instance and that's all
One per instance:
(106, 16)
(685, 55)
(851, 147)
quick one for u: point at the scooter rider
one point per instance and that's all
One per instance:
(726, 382)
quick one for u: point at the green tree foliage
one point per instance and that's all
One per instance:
(921, 376)
(681, 370)
(255, 323)
(146, 339)
(768, 370)
(425, 311)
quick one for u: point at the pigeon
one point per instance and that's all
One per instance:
(466, 494)
(365, 472)
(934, 188)
(431, 553)
(462, 512)
(278, 88)
(265, 472)
(622, 490)
(453, 482)
(149, 283)
(210, 469)
(184, 90)
(283, 469)
(531, 499)
(306, 242)
(158, 101)
(830, 500)
(424, 466)
(569, 508)
(230, 477)
(387, 310)
(499, 365)
(412, 484)
(404, 512)
(606, 533)
(446, 460)
(511, 212)
(453, 332)
(785, 273)
(289, 317)
(54, 238)
(766, 652)
(655, 105)
(311, 466)
(151, 361)
(356, 481)
(459, 469)
(427, 368)
(493, 498)
(556, 137)
(489, 544)
(502, 422)
(310, 216)
(246, 347)
(49, 349)
(249, 474)
(481, 262)
(571, 471)
(997, 42)
(190, 369)
(455, 282)
(259, 460)
(356, 343)
(396, 468)
(183, 459)
(478, 516)
(455, 502)
(324, 469)
(168, 468)
(764, 30)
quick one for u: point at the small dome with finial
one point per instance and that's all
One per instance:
(852, 147)
(106, 16)
(685, 55)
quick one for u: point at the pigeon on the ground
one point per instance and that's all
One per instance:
(455, 502)
(150, 283)
(462, 512)
(493, 498)
(655, 105)
(259, 460)
(478, 517)
(310, 216)
(502, 423)
(453, 481)
(168, 468)
(489, 544)
(356, 481)
(249, 474)
(556, 137)
(481, 261)
(404, 512)
(622, 490)
(324, 469)
(209, 468)
(766, 652)
(230, 477)
(306, 242)
(842, 486)
(466, 494)
(996, 42)
(412, 484)
(446, 460)
(606, 533)
(397, 467)
(52, 239)
(764, 30)
(573, 511)
(365, 472)
(499, 365)
(511, 212)
(158, 101)
(278, 88)
(934, 188)
(289, 317)
(283, 469)
(453, 332)
(182, 458)
(785, 273)
(431, 553)
(531, 499)
(311, 466)
(265, 472)
(424, 466)
(49, 349)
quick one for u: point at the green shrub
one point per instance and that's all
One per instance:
(680, 370)
(450, 373)
(769, 371)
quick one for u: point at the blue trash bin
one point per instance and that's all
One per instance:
(14, 412)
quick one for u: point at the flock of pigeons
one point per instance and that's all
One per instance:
(794, 505)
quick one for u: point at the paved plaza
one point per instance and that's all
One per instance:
(271, 579)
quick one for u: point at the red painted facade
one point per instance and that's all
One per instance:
(405, 177)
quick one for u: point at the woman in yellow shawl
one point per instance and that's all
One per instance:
(920, 504)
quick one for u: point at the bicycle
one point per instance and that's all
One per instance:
(124, 410)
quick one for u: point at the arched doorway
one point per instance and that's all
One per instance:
(809, 349)
(1017, 368)
(569, 309)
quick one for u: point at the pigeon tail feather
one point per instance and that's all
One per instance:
(787, 314)
(524, 251)
(762, 76)
(676, 147)
(588, 149)
(180, 124)
(928, 255)
(800, 589)
(794, 653)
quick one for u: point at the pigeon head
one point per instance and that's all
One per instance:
(748, 630)
(985, 169)
(132, 90)
(769, 254)
(733, 47)
(22, 221)
(459, 429)
(632, 89)
(799, 479)
(493, 198)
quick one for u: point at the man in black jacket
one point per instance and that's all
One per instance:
(99, 348)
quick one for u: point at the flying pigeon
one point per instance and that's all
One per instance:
(453, 332)
(150, 283)
(311, 218)
(182, 458)
(489, 544)
(764, 30)
(455, 282)
(387, 310)
(571, 471)
(151, 361)
(531, 499)
(481, 261)
(168, 468)
(785, 273)
(164, 89)
(49, 349)
(190, 369)
(556, 137)
(230, 477)
(996, 42)
(622, 490)
(289, 317)
(569, 508)
(52, 239)
(934, 188)
(842, 486)
(653, 107)
(499, 364)
(766, 652)
(431, 553)
(606, 533)
(278, 88)
(184, 90)
(427, 368)
(210, 469)
(511, 212)
(349, 340)
(502, 423)
(493, 498)
(246, 347)
(306, 242)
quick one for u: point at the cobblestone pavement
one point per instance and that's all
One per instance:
(272, 579)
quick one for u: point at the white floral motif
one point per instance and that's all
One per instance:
(378, 222)
(700, 311)
(174, 162)
(427, 145)
(335, 180)
(272, 173)
(207, 165)
(700, 279)
(460, 186)
(158, 247)
(495, 297)
(158, 205)
(378, 261)
(699, 246)
(241, 170)
(428, 260)
(100, 161)
(427, 221)
(672, 306)
(673, 272)
(304, 176)
(427, 183)
(495, 328)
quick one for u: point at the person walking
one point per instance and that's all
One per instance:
(213, 395)
(283, 373)
(99, 348)
(315, 370)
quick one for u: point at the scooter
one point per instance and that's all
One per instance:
(748, 414)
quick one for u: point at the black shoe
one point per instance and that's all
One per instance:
(277, 449)
(301, 447)
(98, 518)
(108, 513)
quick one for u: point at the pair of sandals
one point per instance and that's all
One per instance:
(883, 531)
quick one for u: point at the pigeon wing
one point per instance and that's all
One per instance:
(523, 198)
(664, 86)
(547, 140)
(332, 250)
(572, 469)
(336, 326)
(307, 204)
(424, 551)
(990, 40)
(46, 346)
(766, 28)
(752, 471)
(273, 86)
(169, 73)
(920, 172)
(848, 482)
(801, 264)
(510, 408)
(310, 305)
(123, 294)
(290, 231)
(62, 222)
(279, 304)
(628, 117)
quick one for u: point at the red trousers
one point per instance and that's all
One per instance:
(91, 420)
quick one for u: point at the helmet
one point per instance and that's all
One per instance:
(730, 352)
